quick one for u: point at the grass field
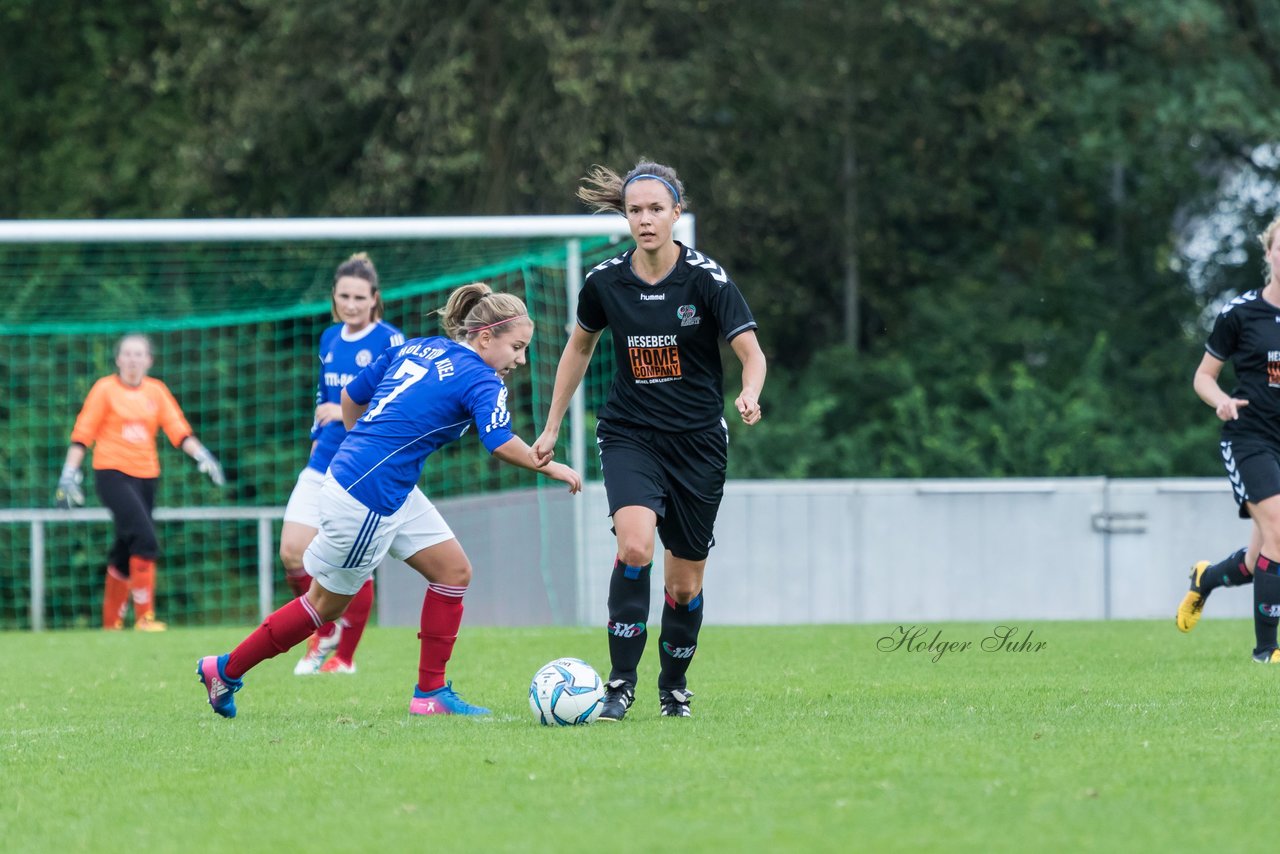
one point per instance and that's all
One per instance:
(1112, 736)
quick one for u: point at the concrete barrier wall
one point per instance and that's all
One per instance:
(859, 551)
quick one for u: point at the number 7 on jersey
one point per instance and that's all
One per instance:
(414, 371)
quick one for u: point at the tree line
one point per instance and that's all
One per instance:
(981, 237)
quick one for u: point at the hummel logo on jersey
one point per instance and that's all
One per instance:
(697, 259)
(652, 297)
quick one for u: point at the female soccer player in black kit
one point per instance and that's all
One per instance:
(1247, 333)
(662, 435)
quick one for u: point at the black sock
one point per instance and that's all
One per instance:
(628, 612)
(1266, 604)
(1228, 572)
(679, 640)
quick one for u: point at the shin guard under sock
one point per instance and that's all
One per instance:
(679, 640)
(280, 632)
(1231, 571)
(115, 599)
(441, 618)
(354, 619)
(1266, 604)
(628, 613)
(142, 587)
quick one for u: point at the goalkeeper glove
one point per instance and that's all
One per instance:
(69, 494)
(208, 464)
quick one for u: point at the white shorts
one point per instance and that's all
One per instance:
(304, 501)
(353, 539)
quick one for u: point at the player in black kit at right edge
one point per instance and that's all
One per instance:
(1247, 333)
(662, 435)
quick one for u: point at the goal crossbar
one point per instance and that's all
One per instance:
(321, 228)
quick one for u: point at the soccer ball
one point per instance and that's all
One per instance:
(566, 692)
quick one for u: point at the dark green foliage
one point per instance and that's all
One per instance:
(1015, 181)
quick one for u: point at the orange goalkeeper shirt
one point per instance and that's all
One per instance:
(123, 421)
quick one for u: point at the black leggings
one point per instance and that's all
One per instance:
(130, 500)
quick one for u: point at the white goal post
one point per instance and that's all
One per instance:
(570, 228)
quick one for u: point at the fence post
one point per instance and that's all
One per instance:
(266, 565)
(37, 575)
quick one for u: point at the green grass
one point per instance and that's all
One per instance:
(1122, 735)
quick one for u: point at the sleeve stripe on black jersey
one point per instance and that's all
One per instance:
(1247, 296)
(697, 259)
(612, 262)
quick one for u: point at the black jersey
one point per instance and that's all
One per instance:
(1247, 333)
(666, 338)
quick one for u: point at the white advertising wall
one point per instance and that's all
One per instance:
(860, 551)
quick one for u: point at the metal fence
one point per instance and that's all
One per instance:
(790, 552)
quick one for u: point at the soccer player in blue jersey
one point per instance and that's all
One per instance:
(662, 435)
(1247, 334)
(412, 400)
(358, 336)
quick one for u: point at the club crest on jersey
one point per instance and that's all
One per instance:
(688, 315)
(363, 358)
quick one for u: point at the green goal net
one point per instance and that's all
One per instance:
(235, 328)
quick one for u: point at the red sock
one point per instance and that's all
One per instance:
(115, 600)
(142, 587)
(280, 632)
(299, 584)
(356, 618)
(441, 616)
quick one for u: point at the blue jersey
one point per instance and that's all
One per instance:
(341, 358)
(421, 396)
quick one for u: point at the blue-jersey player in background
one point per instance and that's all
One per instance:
(347, 347)
(412, 400)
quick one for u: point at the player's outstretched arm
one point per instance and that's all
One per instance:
(747, 349)
(69, 492)
(517, 453)
(569, 373)
(351, 411)
(1205, 382)
(205, 460)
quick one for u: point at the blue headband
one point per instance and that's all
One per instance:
(674, 194)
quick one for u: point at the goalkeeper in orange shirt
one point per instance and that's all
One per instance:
(120, 418)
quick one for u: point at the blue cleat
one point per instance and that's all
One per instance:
(442, 701)
(212, 670)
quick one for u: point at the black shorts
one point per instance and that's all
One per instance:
(1253, 469)
(130, 500)
(679, 476)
